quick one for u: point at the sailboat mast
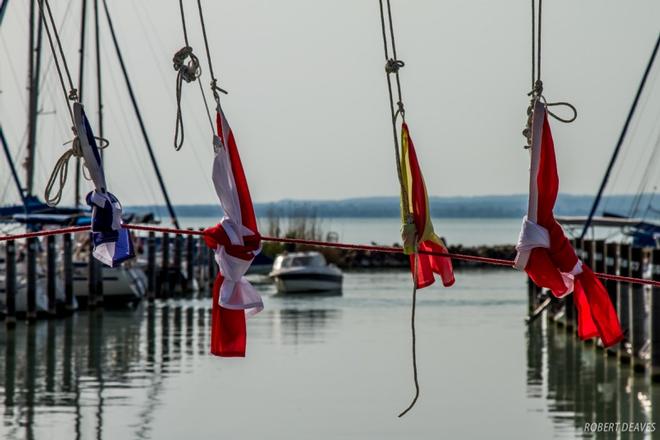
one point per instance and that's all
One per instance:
(34, 69)
(622, 137)
(99, 89)
(12, 167)
(138, 116)
(81, 77)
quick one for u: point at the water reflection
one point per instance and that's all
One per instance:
(581, 384)
(65, 377)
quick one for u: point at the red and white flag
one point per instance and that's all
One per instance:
(546, 254)
(236, 242)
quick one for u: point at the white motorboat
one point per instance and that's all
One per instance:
(121, 285)
(300, 272)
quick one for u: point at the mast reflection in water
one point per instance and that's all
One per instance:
(583, 385)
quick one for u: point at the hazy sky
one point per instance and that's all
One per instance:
(308, 98)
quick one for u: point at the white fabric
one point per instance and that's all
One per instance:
(532, 235)
(236, 292)
(90, 160)
(538, 118)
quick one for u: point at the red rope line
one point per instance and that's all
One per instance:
(361, 247)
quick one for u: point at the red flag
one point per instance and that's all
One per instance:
(418, 207)
(545, 253)
(236, 242)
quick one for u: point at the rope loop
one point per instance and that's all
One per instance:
(537, 94)
(393, 66)
(61, 169)
(187, 71)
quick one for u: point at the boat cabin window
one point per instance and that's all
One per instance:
(302, 261)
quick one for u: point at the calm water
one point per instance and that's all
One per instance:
(365, 230)
(465, 231)
(317, 368)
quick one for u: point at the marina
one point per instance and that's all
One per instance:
(233, 219)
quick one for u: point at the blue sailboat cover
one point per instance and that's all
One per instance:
(112, 243)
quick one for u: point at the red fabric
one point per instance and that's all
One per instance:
(427, 265)
(602, 311)
(228, 327)
(247, 210)
(596, 315)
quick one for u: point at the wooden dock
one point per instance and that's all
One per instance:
(637, 306)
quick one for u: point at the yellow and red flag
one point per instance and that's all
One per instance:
(417, 230)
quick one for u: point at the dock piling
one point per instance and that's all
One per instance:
(190, 258)
(31, 262)
(51, 275)
(92, 275)
(176, 280)
(10, 283)
(68, 272)
(151, 266)
(165, 266)
(655, 319)
(623, 301)
(637, 310)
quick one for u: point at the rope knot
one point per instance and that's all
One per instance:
(187, 71)
(73, 95)
(393, 66)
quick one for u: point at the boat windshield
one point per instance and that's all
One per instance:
(302, 261)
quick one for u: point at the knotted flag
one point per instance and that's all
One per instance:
(112, 243)
(417, 230)
(235, 241)
(546, 254)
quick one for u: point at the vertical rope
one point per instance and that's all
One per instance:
(414, 339)
(67, 95)
(392, 65)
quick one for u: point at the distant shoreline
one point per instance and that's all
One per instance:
(507, 206)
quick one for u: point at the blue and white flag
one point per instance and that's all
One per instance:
(112, 243)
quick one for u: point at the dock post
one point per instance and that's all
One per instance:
(31, 262)
(623, 302)
(531, 296)
(637, 310)
(99, 282)
(91, 277)
(51, 275)
(68, 272)
(655, 319)
(151, 266)
(599, 261)
(190, 259)
(177, 283)
(612, 268)
(165, 266)
(10, 283)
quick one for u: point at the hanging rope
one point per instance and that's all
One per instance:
(397, 109)
(61, 170)
(536, 92)
(413, 338)
(214, 81)
(188, 68)
(70, 94)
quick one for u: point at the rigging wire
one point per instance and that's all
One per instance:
(392, 66)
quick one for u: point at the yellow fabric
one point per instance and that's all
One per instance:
(428, 233)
